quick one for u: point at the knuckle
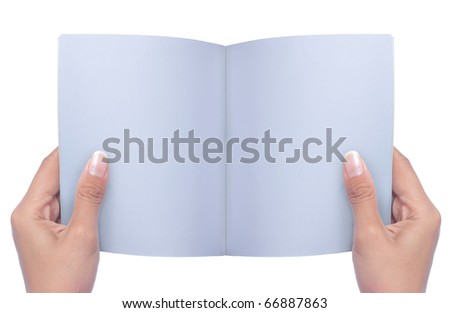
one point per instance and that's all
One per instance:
(91, 192)
(83, 235)
(15, 219)
(47, 160)
(361, 192)
(436, 219)
(368, 234)
(19, 223)
(405, 160)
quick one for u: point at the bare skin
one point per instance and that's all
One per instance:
(393, 258)
(55, 257)
(396, 257)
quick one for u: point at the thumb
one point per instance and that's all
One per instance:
(89, 196)
(361, 195)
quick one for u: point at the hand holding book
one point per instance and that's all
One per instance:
(393, 258)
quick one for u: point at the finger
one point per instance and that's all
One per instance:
(361, 194)
(404, 179)
(407, 188)
(38, 200)
(46, 181)
(90, 191)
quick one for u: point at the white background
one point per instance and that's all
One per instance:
(28, 128)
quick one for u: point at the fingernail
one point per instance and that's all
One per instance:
(96, 165)
(354, 165)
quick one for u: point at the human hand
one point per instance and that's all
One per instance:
(396, 257)
(55, 257)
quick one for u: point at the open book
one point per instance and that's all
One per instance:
(219, 150)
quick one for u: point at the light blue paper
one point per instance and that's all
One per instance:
(294, 86)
